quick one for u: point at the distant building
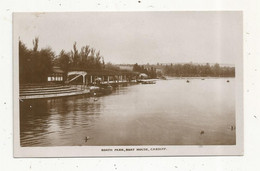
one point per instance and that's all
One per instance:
(143, 76)
(57, 75)
(126, 67)
(159, 69)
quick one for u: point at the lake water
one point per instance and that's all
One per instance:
(170, 112)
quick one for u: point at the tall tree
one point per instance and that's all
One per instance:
(64, 62)
(35, 44)
(75, 55)
(34, 65)
(25, 66)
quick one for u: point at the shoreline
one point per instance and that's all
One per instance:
(44, 92)
(169, 77)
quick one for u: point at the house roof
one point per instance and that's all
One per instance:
(58, 70)
(143, 74)
(105, 72)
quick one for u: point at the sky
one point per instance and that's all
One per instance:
(139, 37)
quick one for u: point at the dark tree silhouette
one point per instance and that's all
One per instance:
(34, 65)
(192, 70)
(64, 62)
(150, 71)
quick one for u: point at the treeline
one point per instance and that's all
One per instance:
(194, 70)
(150, 72)
(85, 58)
(35, 65)
(110, 66)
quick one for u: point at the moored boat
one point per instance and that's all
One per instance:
(148, 82)
(106, 88)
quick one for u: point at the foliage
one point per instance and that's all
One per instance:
(34, 64)
(150, 71)
(192, 70)
(110, 66)
(86, 59)
(64, 62)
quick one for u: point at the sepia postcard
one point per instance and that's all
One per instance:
(90, 84)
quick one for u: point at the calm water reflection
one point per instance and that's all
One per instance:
(170, 112)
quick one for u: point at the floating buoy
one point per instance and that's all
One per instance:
(87, 138)
(232, 127)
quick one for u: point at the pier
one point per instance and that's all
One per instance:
(77, 83)
(90, 77)
(49, 91)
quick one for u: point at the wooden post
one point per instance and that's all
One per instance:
(83, 79)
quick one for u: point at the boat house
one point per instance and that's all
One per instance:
(57, 75)
(89, 77)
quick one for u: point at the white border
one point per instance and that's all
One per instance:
(250, 160)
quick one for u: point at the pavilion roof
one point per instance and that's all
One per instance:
(56, 69)
(105, 72)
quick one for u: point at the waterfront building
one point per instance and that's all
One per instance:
(143, 76)
(57, 75)
(89, 77)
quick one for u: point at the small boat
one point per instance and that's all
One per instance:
(232, 127)
(106, 89)
(93, 88)
(87, 138)
(148, 82)
(163, 78)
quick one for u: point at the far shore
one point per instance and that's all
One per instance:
(171, 78)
